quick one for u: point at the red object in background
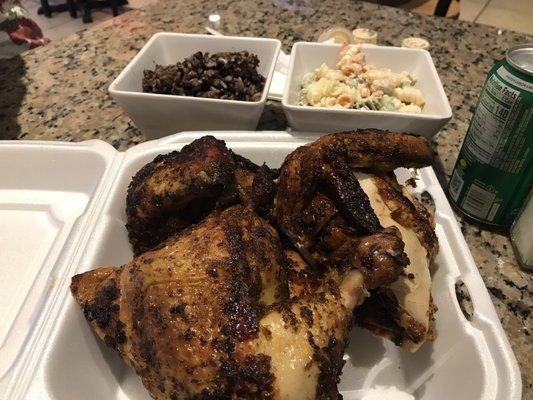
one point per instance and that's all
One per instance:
(28, 32)
(17, 32)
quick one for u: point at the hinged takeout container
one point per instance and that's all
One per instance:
(62, 211)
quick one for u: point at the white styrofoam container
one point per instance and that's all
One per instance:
(157, 115)
(305, 57)
(62, 212)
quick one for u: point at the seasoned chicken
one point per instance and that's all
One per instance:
(257, 299)
(178, 189)
(336, 191)
(224, 311)
(317, 181)
(321, 206)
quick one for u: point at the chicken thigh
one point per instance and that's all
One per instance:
(212, 313)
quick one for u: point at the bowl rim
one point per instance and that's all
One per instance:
(295, 107)
(171, 97)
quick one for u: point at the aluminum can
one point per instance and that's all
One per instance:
(493, 173)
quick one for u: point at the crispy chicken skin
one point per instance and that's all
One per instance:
(376, 149)
(178, 189)
(208, 315)
(184, 306)
(324, 168)
(320, 204)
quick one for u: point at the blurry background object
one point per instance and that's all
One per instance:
(441, 8)
(85, 5)
(364, 35)
(300, 6)
(47, 8)
(516, 14)
(17, 31)
(413, 42)
(61, 24)
(336, 34)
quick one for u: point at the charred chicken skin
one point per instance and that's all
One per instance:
(318, 181)
(208, 314)
(178, 189)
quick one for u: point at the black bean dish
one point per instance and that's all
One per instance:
(230, 76)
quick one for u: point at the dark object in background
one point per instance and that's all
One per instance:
(13, 87)
(86, 5)
(229, 76)
(439, 8)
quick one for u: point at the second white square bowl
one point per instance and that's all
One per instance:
(305, 57)
(158, 115)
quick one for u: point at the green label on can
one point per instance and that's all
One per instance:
(493, 173)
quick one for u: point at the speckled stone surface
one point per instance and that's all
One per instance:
(59, 92)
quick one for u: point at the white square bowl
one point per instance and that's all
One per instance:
(158, 115)
(305, 57)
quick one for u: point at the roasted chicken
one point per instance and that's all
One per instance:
(334, 192)
(245, 284)
(208, 314)
(402, 311)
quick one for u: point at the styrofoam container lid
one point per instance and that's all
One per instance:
(62, 212)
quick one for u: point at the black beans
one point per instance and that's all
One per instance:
(231, 76)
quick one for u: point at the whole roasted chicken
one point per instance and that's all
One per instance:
(246, 284)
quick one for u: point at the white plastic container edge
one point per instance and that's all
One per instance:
(469, 359)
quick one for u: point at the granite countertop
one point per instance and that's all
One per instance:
(59, 92)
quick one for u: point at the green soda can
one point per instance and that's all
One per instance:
(493, 173)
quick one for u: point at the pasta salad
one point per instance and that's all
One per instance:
(354, 84)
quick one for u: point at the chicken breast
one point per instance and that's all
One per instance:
(335, 192)
(404, 307)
